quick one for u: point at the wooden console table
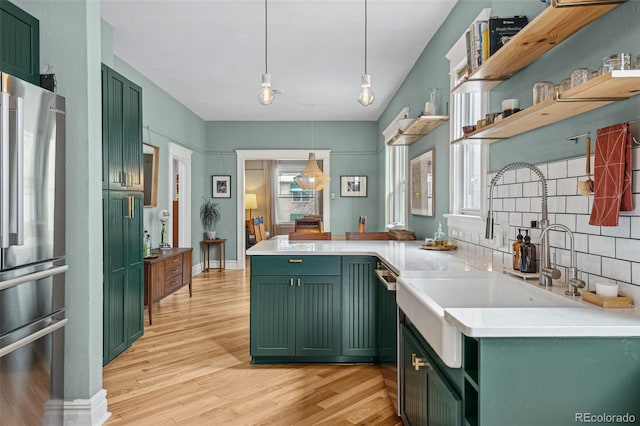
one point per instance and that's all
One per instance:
(204, 252)
(168, 271)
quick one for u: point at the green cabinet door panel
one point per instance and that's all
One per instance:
(317, 315)
(123, 281)
(359, 320)
(104, 73)
(273, 317)
(295, 265)
(122, 114)
(387, 317)
(19, 43)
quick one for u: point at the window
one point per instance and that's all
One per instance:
(468, 158)
(292, 201)
(396, 184)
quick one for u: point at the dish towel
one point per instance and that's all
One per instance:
(612, 175)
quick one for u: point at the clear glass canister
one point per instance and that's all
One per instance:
(579, 76)
(617, 61)
(565, 85)
(542, 91)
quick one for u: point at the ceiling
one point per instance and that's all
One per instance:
(210, 54)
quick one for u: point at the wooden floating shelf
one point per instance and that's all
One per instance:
(416, 130)
(595, 93)
(555, 24)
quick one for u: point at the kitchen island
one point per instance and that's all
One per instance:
(547, 360)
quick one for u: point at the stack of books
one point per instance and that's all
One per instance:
(484, 38)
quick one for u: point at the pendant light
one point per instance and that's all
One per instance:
(312, 178)
(265, 96)
(366, 95)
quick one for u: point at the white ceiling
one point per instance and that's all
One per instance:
(210, 54)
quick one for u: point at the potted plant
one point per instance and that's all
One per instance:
(209, 215)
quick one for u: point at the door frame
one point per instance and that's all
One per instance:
(181, 154)
(243, 155)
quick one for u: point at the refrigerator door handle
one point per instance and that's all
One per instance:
(55, 324)
(17, 238)
(33, 277)
(4, 170)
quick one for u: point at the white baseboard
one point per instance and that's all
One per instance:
(214, 264)
(89, 412)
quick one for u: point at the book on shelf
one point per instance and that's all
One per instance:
(502, 29)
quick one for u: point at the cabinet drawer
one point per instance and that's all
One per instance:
(295, 265)
(171, 285)
(170, 269)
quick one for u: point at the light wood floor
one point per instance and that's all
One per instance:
(192, 367)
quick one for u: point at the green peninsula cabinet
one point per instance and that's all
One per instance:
(295, 308)
(19, 43)
(359, 306)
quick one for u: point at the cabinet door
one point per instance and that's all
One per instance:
(444, 406)
(317, 315)
(359, 319)
(413, 402)
(19, 43)
(135, 268)
(124, 134)
(104, 74)
(387, 324)
(272, 319)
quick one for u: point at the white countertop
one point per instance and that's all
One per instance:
(413, 264)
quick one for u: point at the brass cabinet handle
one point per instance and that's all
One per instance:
(130, 208)
(295, 260)
(298, 282)
(418, 362)
(291, 282)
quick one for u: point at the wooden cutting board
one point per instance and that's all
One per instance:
(440, 248)
(607, 302)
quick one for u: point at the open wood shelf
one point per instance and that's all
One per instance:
(600, 91)
(555, 24)
(416, 130)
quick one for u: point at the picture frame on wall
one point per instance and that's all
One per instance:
(422, 173)
(221, 186)
(353, 186)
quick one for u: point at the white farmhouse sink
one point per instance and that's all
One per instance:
(425, 297)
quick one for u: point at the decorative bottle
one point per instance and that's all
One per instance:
(439, 236)
(516, 250)
(431, 105)
(528, 255)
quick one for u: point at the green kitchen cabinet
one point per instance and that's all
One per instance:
(359, 306)
(122, 132)
(123, 285)
(295, 307)
(387, 320)
(428, 399)
(19, 43)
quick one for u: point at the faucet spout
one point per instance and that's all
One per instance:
(544, 222)
(573, 281)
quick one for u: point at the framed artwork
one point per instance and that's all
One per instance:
(422, 172)
(353, 186)
(221, 186)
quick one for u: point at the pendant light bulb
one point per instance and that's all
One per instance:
(265, 95)
(366, 94)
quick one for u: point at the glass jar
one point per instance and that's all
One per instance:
(579, 76)
(617, 61)
(542, 91)
(431, 105)
(595, 73)
(565, 85)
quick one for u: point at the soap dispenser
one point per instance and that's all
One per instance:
(527, 255)
(516, 250)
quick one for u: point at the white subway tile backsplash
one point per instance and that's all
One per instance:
(635, 273)
(515, 190)
(577, 204)
(557, 204)
(557, 170)
(557, 238)
(616, 269)
(509, 204)
(581, 242)
(635, 227)
(582, 225)
(636, 205)
(635, 159)
(563, 258)
(502, 218)
(551, 188)
(531, 189)
(523, 175)
(568, 186)
(509, 177)
(628, 249)
(635, 183)
(497, 204)
(576, 167)
(515, 219)
(528, 217)
(603, 246)
(568, 220)
(503, 191)
(623, 230)
(523, 204)
(588, 263)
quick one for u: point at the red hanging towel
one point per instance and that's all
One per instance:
(612, 175)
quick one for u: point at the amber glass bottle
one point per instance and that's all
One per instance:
(516, 251)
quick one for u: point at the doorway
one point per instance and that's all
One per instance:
(179, 233)
(294, 154)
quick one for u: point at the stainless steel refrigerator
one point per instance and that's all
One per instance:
(32, 254)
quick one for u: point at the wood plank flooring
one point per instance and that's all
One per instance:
(192, 367)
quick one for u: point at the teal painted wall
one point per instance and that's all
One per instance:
(70, 46)
(353, 152)
(584, 49)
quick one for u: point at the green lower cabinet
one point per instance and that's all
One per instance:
(295, 316)
(427, 397)
(359, 306)
(387, 318)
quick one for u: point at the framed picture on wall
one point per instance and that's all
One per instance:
(221, 186)
(422, 169)
(353, 186)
